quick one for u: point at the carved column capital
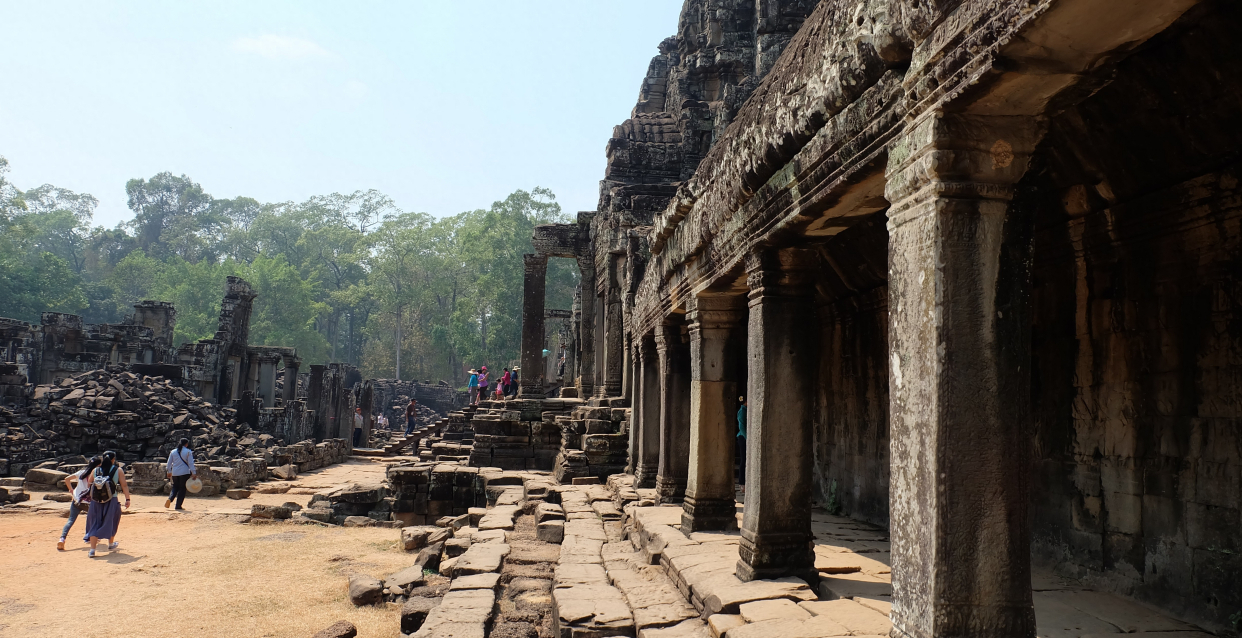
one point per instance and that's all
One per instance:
(534, 262)
(784, 271)
(954, 156)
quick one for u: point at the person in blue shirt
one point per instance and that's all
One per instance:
(180, 468)
(473, 386)
(741, 444)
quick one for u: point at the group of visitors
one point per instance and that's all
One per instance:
(479, 385)
(93, 490)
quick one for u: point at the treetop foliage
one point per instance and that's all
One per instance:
(335, 274)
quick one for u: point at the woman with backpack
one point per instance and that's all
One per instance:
(104, 516)
(180, 468)
(81, 494)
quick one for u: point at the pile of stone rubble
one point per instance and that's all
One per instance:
(137, 416)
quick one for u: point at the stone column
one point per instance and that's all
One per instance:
(710, 503)
(614, 332)
(674, 387)
(586, 334)
(267, 379)
(292, 366)
(781, 354)
(646, 412)
(314, 401)
(535, 274)
(601, 347)
(959, 350)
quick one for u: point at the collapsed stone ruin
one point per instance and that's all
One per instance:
(972, 263)
(70, 390)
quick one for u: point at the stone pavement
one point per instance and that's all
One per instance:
(854, 591)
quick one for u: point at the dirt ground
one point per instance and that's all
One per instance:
(198, 573)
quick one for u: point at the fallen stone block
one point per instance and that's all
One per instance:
(499, 517)
(455, 547)
(319, 515)
(481, 558)
(475, 581)
(238, 494)
(359, 521)
(338, 629)
(718, 624)
(271, 512)
(365, 590)
(414, 612)
(429, 557)
(549, 512)
(415, 537)
(550, 531)
(39, 477)
(412, 576)
(285, 472)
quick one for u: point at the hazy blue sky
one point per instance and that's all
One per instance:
(443, 105)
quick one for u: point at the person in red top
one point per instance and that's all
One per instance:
(411, 412)
(505, 381)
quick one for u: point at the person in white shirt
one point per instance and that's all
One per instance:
(81, 491)
(180, 468)
(357, 427)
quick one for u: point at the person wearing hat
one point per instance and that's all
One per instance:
(473, 386)
(483, 383)
(180, 468)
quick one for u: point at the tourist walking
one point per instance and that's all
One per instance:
(411, 413)
(357, 427)
(80, 490)
(483, 383)
(180, 468)
(741, 444)
(104, 516)
(473, 386)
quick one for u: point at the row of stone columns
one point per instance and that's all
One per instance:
(960, 359)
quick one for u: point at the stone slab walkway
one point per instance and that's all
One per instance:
(854, 594)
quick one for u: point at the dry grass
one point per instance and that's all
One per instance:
(200, 575)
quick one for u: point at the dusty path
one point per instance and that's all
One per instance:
(201, 573)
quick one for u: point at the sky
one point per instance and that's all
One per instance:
(443, 105)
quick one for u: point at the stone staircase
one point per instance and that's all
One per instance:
(594, 440)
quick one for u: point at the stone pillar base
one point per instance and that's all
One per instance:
(670, 490)
(766, 556)
(708, 514)
(645, 475)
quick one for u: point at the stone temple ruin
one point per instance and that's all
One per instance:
(70, 389)
(973, 263)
